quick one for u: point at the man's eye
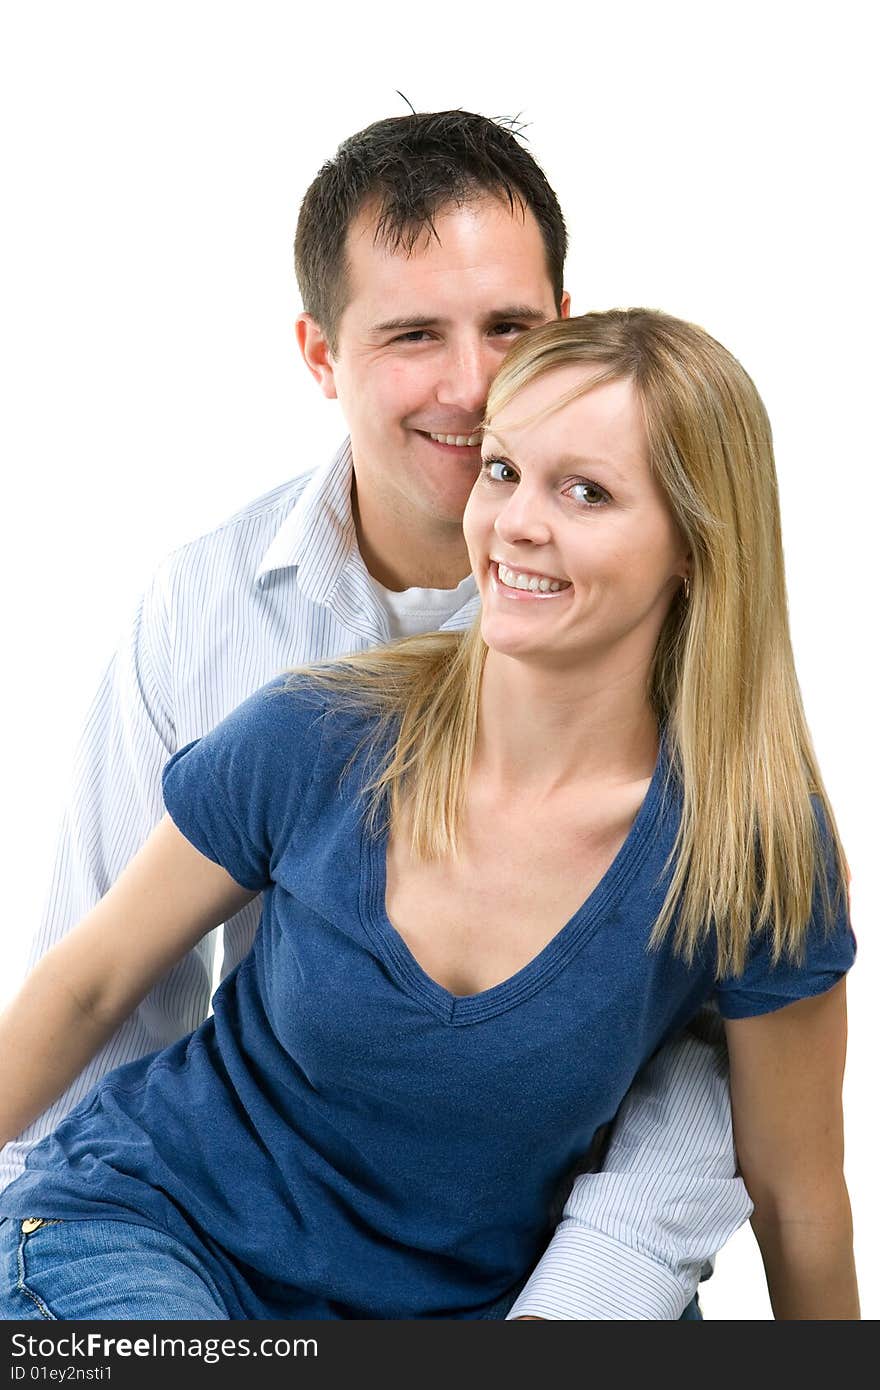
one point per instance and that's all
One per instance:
(499, 471)
(503, 330)
(414, 336)
(589, 493)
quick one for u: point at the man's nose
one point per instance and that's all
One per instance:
(467, 378)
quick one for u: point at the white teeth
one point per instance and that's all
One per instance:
(533, 582)
(461, 440)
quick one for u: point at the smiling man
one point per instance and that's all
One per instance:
(424, 249)
(410, 361)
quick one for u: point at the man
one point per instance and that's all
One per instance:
(424, 249)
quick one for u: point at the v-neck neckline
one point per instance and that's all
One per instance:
(456, 1009)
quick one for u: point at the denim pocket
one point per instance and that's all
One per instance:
(29, 1228)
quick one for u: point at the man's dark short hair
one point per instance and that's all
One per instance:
(411, 167)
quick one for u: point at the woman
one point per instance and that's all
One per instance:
(499, 872)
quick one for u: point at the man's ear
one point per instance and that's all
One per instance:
(565, 306)
(316, 353)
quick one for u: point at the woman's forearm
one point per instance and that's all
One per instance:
(809, 1261)
(47, 1035)
(162, 904)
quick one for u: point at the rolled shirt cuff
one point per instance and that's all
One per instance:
(586, 1275)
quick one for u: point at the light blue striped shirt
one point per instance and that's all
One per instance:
(283, 583)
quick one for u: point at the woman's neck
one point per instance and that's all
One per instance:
(543, 732)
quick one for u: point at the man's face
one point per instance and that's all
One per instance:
(420, 339)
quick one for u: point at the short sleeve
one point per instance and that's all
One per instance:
(829, 951)
(236, 794)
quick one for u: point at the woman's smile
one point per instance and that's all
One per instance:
(516, 583)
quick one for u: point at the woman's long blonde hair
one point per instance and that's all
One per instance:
(748, 854)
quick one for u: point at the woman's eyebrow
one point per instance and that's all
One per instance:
(577, 463)
(582, 462)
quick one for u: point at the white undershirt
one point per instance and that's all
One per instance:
(411, 611)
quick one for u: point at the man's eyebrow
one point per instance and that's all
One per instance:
(518, 311)
(510, 311)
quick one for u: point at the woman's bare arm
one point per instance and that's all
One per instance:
(167, 898)
(786, 1076)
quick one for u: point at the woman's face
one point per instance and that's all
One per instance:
(571, 540)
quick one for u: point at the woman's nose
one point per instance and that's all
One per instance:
(523, 517)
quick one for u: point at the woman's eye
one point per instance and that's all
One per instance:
(499, 471)
(589, 493)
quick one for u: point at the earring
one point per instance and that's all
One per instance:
(687, 590)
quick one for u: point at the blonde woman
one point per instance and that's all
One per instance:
(500, 869)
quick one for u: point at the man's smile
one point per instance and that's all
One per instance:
(464, 445)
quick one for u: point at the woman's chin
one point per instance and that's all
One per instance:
(501, 637)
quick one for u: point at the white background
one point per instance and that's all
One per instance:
(713, 160)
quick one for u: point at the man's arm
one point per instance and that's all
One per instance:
(115, 803)
(636, 1236)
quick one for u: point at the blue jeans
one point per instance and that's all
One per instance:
(95, 1270)
(99, 1270)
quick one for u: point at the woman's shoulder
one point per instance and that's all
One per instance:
(276, 738)
(774, 974)
(240, 792)
(297, 704)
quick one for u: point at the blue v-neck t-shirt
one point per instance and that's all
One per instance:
(343, 1137)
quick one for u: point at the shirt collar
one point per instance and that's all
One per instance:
(318, 539)
(318, 536)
